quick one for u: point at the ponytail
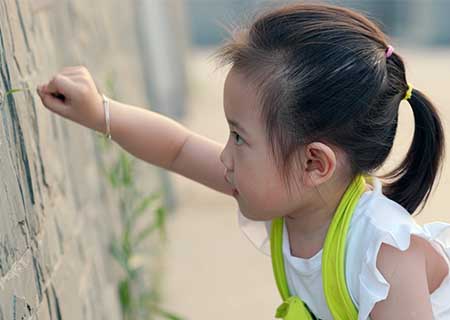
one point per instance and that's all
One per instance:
(417, 172)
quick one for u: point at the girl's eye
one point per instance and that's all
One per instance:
(237, 138)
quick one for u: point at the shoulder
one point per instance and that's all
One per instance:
(406, 273)
(390, 258)
(377, 219)
(379, 226)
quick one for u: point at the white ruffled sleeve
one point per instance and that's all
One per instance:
(373, 286)
(389, 223)
(258, 232)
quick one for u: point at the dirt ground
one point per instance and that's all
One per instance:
(211, 270)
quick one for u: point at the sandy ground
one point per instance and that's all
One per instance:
(211, 270)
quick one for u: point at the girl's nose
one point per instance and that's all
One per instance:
(225, 158)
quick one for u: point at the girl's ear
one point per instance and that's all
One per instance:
(319, 164)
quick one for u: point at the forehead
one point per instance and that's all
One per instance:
(239, 98)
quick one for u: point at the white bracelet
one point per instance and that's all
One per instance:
(107, 116)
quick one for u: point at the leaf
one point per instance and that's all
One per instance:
(124, 294)
(125, 169)
(113, 179)
(103, 142)
(151, 301)
(161, 217)
(144, 234)
(117, 253)
(111, 84)
(121, 172)
(145, 202)
(161, 222)
(113, 175)
(126, 245)
(158, 224)
(13, 91)
(8, 93)
(167, 314)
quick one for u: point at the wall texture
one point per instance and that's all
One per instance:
(57, 213)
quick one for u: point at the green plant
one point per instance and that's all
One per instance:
(11, 91)
(135, 302)
(138, 300)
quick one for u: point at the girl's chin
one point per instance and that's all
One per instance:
(251, 217)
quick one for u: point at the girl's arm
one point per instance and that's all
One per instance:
(145, 134)
(164, 142)
(406, 272)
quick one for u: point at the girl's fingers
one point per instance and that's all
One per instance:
(60, 84)
(69, 73)
(72, 68)
(73, 71)
(72, 94)
(54, 104)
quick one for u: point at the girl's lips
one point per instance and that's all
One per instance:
(235, 192)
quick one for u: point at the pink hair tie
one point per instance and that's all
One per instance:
(389, 51)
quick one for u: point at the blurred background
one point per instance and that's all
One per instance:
(67, 233)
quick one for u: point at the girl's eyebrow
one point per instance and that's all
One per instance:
(237, 125)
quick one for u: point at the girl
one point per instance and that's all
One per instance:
(312, 101)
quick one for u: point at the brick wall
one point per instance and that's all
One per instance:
(57, 212)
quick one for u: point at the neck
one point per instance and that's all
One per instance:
(308, 228)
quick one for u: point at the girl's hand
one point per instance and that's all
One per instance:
(73, 94)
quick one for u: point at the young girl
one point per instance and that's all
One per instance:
(312, 101)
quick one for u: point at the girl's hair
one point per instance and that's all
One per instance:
(321, 74)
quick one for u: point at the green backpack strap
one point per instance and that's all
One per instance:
(333, 258)
(292, 308)
(333, 263)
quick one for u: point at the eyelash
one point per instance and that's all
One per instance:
(237, 135)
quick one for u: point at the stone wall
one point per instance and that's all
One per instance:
(57, 212)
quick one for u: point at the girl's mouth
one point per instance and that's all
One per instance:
(235, 192)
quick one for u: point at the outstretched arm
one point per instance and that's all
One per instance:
(145, 134)
(164, 142)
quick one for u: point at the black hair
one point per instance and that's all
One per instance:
(322, 75)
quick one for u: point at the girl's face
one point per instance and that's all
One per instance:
(249, 167)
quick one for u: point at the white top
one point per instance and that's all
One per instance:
(376, 219)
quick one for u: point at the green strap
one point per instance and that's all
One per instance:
(333, 263)
(276, 243)
(333, 258)
(292, 307)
